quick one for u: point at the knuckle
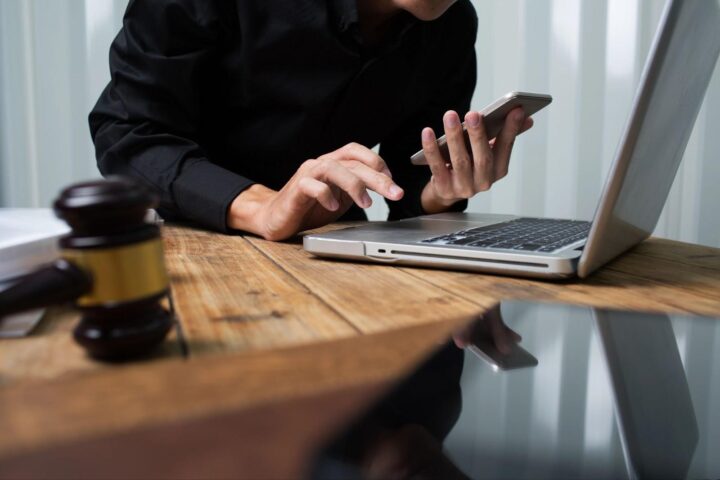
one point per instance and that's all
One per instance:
(464, 159)
(484, 158)
(478, 134)
(352, 148)
(309, 164)
(484, 185)
(384, 181)
(327, 165)
(324, 190)
(356, 184)
(303, 183)
(466, 192)
(376, 163)
(448, 195)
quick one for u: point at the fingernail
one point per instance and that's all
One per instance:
(366, 200)
(334, 205)
(395, 191)
(451, 119)
(428, 135)
(472, 119)
(519, 116)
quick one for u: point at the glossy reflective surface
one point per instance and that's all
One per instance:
(592, 394)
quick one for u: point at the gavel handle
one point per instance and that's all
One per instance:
(58, 283)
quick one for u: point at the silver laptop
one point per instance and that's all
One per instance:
(676, 75)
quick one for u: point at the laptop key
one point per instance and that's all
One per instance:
(482, 243)
(462, 241)
(528, 247)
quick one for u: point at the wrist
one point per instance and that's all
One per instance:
(245, 211)
(431, 202)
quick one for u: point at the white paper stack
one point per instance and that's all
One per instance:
(28, 240)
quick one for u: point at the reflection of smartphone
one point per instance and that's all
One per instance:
(483, 346)
(494, 116)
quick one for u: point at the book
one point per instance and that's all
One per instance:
(28, 240)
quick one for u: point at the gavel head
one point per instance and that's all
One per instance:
(123, 256)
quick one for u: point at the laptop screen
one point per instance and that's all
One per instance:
(671, 91)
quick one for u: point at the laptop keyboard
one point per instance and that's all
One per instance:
(527, 234)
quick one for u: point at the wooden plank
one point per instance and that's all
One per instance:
(273, 441)
(50, 352)
(703, 257)
(649, 280)
(230, 297)
(106, 402)
(372, 297)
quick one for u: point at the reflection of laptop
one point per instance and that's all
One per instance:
(454, 414)
(672, 87)
(655, 414)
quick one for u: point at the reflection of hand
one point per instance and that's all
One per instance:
(468, 171)
(320, 192)
(409, 452)
(491, 321)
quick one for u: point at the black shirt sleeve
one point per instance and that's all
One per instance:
(453, 93)
(145, 123)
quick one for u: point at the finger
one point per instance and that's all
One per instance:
(459, 156)
(517, 338)
(527, 124)
(319, 191)
(506, 139)
(501, 337)
(360, 153)
(377, 181)
(463, 337)
(333, 172)
(441, 176)
(483, 171)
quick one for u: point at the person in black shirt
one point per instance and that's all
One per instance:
(257, 115)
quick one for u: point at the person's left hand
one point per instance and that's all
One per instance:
(489, 323)
(466, 173)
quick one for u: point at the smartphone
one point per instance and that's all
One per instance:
(483, 345)
(494, 118)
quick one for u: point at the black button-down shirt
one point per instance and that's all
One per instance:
(209, 96)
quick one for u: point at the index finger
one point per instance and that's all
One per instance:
(360, 153)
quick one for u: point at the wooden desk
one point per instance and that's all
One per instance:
(240, 299)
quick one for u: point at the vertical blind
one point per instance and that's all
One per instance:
(588, 54)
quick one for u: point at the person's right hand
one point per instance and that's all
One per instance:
(321, 190)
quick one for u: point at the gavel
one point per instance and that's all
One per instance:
(111, 267)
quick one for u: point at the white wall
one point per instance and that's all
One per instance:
(588, 54)
(53, 56)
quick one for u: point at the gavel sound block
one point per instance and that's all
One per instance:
(111, 266)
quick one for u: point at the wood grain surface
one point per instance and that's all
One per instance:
(103, 402)
(262, 321)
(231, 297)
(50, 352)
(235, 293)
(238, 445)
